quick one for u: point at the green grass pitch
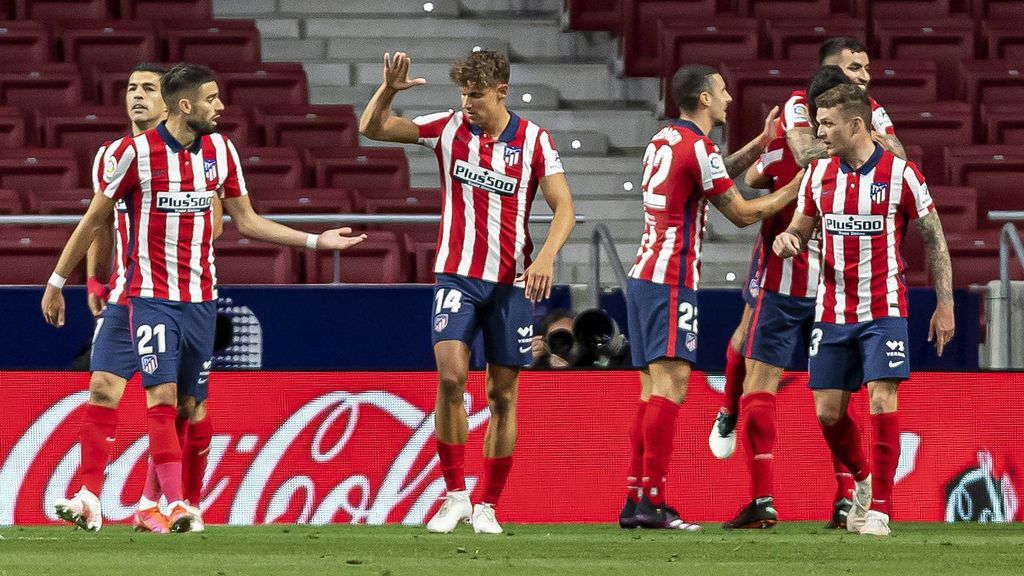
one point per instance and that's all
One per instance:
(790, 549)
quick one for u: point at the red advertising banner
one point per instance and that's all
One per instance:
(357, 447)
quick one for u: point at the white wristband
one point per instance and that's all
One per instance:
(311, 240)
(57, 281)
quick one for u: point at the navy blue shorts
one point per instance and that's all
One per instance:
(662, 322)
(174, 343)
(463, 306)
(752, 288)
(779, 327)
(847, 356)
(112, 348)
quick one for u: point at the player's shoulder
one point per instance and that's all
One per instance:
(437, 117)
(820, 166)
(874, 104)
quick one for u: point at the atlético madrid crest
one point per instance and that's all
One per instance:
(210, 168)
(513, 155)
(879, 192)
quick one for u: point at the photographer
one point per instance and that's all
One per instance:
(554, 342)
(590, 339)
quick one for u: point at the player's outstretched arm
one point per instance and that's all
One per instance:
(97, 260)
(252, 225)
(742, 212)
(942, 325)
(795, 238)
(377, 122)
(539, 276)
(805, 146)
(95, 218)
(738, 162)
(755, 179)
(218, 217)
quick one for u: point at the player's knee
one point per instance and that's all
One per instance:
(450, 387)
(105, 390)
(828, 417)
(500, 400)
(186, 406)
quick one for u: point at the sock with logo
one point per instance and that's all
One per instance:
(453, 465)
(96, 436)
(843, 439)
(844, 480)
(758, 413)
(636, 453)
(659, 433)
(885, 454)
(495, 475)
(735, 373)
(194, 459)
(165, 450)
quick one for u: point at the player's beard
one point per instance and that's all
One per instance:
(200, 127)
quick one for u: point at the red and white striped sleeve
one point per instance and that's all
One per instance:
(712, 174)
(880, 120)
(546, 159)
(431, 126)
(805, 198)
(234, 182)
(794, 114)
(916, 200)
(97, 167)
(120, 169)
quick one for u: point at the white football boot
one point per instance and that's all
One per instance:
(455, 508)
(82, 510)
(876, 524)
(484, 521)
(861, 504)
(722, 439)
(197, 517)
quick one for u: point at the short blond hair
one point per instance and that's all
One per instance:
(851, 101)
(482, 69)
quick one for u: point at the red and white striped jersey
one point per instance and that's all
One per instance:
(794, 114)
(796, 276)
(682, 169)
(168, 193)
(864, 214)
(488, 186)
(122, 228)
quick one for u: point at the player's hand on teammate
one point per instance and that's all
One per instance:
(771, 126)
(96, 304)
(53, 306)
(941, 327)
(786, 245)
(538, 279)
(338, 239)
(396, 72)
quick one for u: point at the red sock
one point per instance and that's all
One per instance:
(151, 489)
(96, 436)
(843, 439)
(659, 432)
(885, 453)
(165, 450)
(758, 413)
(636, 453)
(495, 474)
(735, 373)
(181, 427)
(194, 458)
(844, 480)
(453, 465)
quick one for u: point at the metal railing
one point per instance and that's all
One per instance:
(602, 236)
(1009, 237)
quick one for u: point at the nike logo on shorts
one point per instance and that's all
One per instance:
(895, 364)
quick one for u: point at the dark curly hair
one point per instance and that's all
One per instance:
(482, 69)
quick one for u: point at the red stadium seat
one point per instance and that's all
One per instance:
(271, 168)
(799, 38)
(380, 259)
(167, 9)
(754, 83)
(24, 43)
(82, 131)
(424, 254)
(897, 9)
(115, 45)
(12, 128)
(593, 14)
(995, 171)
(46, 86)
(820, 9)
(241, 260)
(708, 42)
(303, 201)
(939, 40)
(360, 168)
(50, 10)
(31, 169)
(263, 84)
(411, 196)
(995, 10)
(27, 252)
(640, 43)
(993, 82)
(216, 42)
(407, 205)
(11, 202)
(1005, 38)
(309, 126)
(932, 127)
(958, 206)
(237, 125)
(1004, 123)
(976, 258)
(60, 201)
(901, 81)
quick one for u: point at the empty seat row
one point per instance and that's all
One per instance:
(50, 10)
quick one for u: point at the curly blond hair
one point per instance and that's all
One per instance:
(483, 69)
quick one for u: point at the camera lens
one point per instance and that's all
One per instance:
(560, 342)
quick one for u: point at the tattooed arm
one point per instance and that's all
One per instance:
(805, 146)
(738, 162)
(795, 238)
(942, 325)
(891, 143)
(742, 212)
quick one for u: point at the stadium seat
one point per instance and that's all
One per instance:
(11, 202)
(380, 259)
(52, 10)
(754, 83)
(60, 201)
(82, 130)
(195, 10)
(13, 133)
(216, 42)
(413, 196)
(910, 81)
(709, 42)
(403, 205)
(976, 258)
(639, 38)
(820, 9)
(271, 168)
(424, 254)
(31, 169)
(46, 86)
(115, 45)
(995, 171)
(593, 14)
(303, 201)
(241, 260)
(995, 10)
(897, 9)
(939, 40)
(1004, 39)
(958, 206)
(1003, 123)
(932, 127)
(309, 126)
(799, 38)
(263, 84)
(360, 168)
(28, 252)
(993, 82)
(24, 43)
(236, 124)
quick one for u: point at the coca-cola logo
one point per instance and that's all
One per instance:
(977, 495)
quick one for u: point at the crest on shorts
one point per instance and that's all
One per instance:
(691, 341)
(210, 169)
(513, 154)
(149, 363)
(879, 192)
(440, 322)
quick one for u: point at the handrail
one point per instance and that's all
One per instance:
(601, 235)
(1006, 215)
(1008, 236)
(69, 219)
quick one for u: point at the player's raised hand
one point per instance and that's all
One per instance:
(771, 126)
(941, 327)
(53, 306)
(396, 72)
(538, 279)
(786, 245)
(338, 239)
